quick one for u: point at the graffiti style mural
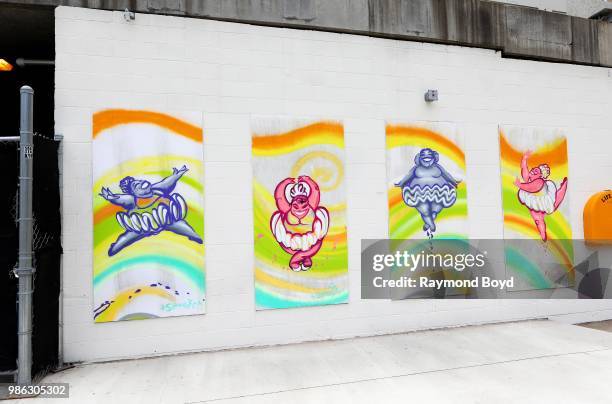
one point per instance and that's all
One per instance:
(299, 207)
(149, 209)
(426, 189)
(534, 175)
(148, 216)
(538, 194)
(300, 224)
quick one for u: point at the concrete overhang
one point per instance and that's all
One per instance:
(604, 12)
(516, 31)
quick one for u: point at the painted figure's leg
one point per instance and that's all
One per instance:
(295, 262)
(124, 240)
(304, 258)
(311, 252)
(425, 211)
(435, 209)
(538, 218)
(560, 194)
(288, 250)
(182, 227)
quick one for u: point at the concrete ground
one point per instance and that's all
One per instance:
(525, 362)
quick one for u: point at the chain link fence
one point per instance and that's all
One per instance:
(46, 248)
(41, 237)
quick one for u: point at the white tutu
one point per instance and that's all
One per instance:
(541, 201)
(300, 241)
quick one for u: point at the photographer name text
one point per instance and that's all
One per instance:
(425, 282)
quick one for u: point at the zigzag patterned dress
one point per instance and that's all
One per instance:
(445, 195)
(428, 186)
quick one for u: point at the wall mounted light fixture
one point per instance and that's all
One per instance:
(431, 96)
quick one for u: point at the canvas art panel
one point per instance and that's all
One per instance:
(299, 205)
(148, 214)
(535, 179)
(426, 181)
(427, 194)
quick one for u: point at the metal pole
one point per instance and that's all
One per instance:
(58, 137)
(25, 270)
(21, 62)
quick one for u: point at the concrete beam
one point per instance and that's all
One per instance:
(537, 34)
(464, 22)
(605, 43)
(516, 31)
(585, 41)
(336, 15)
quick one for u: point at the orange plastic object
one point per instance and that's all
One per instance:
(5, 66)
(597, 218)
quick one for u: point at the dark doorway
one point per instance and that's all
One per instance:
(28, 32)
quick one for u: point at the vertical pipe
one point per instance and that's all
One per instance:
(60, 162)
(25, 270)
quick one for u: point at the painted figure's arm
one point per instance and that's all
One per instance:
(449, 178)
(166, 186)
(125, 201)
(533, 186)
(406, 179)
(524, 167)
(279, 195)
(315, 193)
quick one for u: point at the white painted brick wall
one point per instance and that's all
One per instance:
(229, 71)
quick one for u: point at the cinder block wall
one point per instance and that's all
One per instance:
(227, 72)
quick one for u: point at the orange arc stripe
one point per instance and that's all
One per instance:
(395, 199)
(104, 212)
(111, 210)
(272, 141)
(529, 227)
(554, 157)
(113, 117)
(336, 238)
(402, 131)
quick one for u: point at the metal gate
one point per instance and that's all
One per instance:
(30, 256)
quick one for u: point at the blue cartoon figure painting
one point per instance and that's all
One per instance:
(428, 188)
(150, 208)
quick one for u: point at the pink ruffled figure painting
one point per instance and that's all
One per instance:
(300, 224)
(539, 194)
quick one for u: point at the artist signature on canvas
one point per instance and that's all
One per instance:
(186, 304)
